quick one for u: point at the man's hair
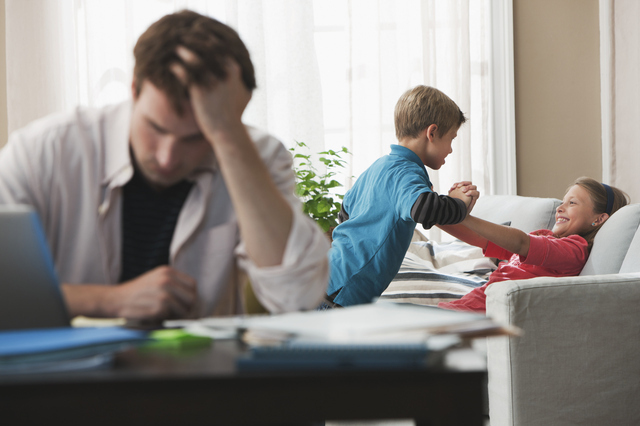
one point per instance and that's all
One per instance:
(208, 38)
(598, 194)
(422, 106)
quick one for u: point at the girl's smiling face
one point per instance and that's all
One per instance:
(575, 215)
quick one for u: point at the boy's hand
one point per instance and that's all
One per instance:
(467, 192)
(460, 195)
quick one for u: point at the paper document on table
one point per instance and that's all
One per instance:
(373, 336)
(372, 323)
(216, 327)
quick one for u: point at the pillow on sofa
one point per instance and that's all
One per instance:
(613, 248)
(438, 272)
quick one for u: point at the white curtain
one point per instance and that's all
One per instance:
(620, 67)
(329, 71)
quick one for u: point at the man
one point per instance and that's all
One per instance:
(170, 196)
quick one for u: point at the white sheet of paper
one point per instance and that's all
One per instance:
(362, 323)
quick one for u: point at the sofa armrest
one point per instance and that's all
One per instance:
(577, 361)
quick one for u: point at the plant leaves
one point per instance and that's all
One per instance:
(315, 189)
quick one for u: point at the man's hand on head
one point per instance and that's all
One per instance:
(161, 293)
(218, 104)
(265, 218)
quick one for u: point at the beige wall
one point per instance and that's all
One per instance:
(557, 84)
(557, 90)
(3, 79)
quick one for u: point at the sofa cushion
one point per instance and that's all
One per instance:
(525, 213)
(438, 272)
(612, 244)
(631, 262)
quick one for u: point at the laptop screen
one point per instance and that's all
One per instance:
(30, 295)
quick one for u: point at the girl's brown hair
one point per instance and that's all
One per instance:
(598, 194)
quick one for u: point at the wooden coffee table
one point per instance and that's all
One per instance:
(203, 387)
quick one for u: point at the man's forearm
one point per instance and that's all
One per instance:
(264, 215)
(89, 300)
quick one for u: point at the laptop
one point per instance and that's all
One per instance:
(30, 295)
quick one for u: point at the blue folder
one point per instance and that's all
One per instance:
(334, 356)
(63, 348)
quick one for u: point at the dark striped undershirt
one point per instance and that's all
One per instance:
(430, 209)
(433, 209)
(149, 218)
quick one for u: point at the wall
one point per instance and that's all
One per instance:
(3, 79)
(557, 90)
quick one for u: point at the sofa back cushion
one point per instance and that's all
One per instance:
(631, 262)
(617, 244)
(525, 213)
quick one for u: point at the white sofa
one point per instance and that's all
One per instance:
(578, 361)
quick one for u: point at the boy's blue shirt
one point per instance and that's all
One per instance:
(368, 248)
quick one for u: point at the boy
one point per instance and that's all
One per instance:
(379, 213)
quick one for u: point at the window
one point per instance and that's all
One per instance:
(329, 71)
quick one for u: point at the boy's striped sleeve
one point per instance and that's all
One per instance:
(433, 209)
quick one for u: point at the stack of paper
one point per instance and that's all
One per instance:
(378, 322)
(373, 336)
(380, 335)
(62, 349)
(372, 323)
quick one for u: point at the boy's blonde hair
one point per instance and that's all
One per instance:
(422, 106)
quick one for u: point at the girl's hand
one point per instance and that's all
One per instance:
(460, 184)
(460, 195)
(468, 189)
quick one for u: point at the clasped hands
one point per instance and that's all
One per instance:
(465, 191)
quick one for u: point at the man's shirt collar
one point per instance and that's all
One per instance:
(118, 163)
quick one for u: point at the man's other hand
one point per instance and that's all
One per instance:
(161, 293)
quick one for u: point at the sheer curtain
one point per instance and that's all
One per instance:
(329, 71)
(620, 94)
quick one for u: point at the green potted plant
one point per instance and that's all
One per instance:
(314, 188)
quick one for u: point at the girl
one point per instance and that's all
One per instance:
(562, 251)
